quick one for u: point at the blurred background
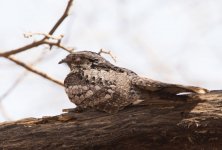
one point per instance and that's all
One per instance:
(176, 41)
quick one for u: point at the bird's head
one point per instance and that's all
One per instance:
(83, 59)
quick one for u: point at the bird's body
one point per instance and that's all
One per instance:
(93, 82)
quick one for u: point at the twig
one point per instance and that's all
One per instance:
(107, 52)
(44, 75)
(65, 14)
(58, 44)
(45, 40)
(35, 44)
(30, 34)
(21, 49)
(40, 42)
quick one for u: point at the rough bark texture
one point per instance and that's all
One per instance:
(164, 124)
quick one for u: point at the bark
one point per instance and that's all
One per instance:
(163, 124)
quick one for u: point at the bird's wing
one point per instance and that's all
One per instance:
(151, 85)
(107, 65)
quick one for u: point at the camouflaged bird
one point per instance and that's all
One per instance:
(94, 82)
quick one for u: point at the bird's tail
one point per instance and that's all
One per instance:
(156, 86)
(182, 89)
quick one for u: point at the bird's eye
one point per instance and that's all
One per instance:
(77, 59)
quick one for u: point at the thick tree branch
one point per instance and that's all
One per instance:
(166, 124)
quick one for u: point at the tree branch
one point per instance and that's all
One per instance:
(58, 44)
(62, 18)
(42, 41)
(168, 124)
(21, 49)
(44, 75)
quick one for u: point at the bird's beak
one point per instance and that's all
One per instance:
(62, 61)
(66, 60)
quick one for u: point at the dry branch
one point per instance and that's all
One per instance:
(62, 18)
(107, 52)
(21, 49)
(168, 124)
(45, 40)
(40, 42)
(58, 44)
(48, 39)
(30, 34)
(44, 75)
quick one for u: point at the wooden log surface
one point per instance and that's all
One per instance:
(163, 124)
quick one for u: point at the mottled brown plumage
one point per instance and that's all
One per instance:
(93, 82)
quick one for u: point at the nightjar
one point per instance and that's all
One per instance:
(93, 82)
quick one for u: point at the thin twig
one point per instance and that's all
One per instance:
(21, 49)
(44, 75)
(40, 42)
(62, 18)
(31, 34)
(45, 40)
(107, 52)
(58, 44)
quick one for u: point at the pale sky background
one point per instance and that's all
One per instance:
(176, 41)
